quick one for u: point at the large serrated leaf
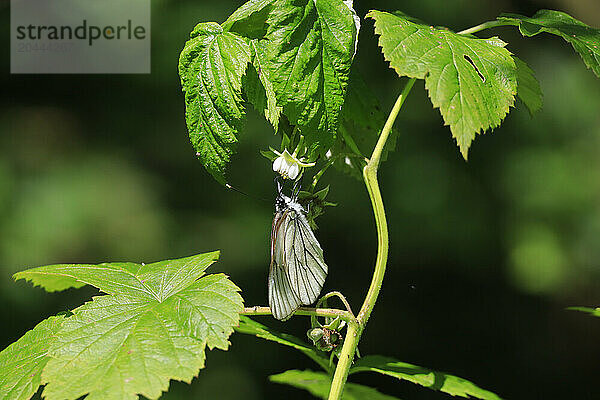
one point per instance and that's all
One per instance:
(307, 49)
(22, 362)
(154, 281)
(153, 326)
(310, 48)
(211, 66)
(435, 380)
(584, 39)
(472, 81)
(318, 384)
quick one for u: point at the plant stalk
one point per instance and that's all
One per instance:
(370, 177)
(480, 27)
(319, 312)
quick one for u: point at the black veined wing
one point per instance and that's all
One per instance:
(298, 270)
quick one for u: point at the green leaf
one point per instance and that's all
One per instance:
(154, 281)
(435, 380)
(152, 327)
(250, 19)
(310, 47)
(318, 383)
(528, 87)
(50, 283)
(250, 327)
(259, 89)
(472, 81)
(593, 311)
(306, 48)
(211, 66)
(584, 39)
(22, 362)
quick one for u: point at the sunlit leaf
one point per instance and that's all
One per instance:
(153, 326)
(435, 380)
(584, 39)
(50, 282)
(250, 19)
(307, 49)
(211, 66)
(318, 384)
(154, 281)
(472, 81)
(22, 362)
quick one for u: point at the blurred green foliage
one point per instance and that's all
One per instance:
(485, 255)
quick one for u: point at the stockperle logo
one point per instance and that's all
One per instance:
(80, 36)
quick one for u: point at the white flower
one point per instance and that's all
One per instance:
(288, 165)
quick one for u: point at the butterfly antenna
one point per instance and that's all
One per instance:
(233, 188)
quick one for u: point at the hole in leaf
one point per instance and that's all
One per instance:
(474, 66)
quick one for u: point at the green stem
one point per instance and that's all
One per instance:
(319, 312)
(340, 296)
(480, 27)
(356, 328)
(323, 301)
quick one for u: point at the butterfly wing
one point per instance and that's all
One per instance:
(306, 267)
(282, 299)
(298, 270)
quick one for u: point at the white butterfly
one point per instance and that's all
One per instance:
(298, 270)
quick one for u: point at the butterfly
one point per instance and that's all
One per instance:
(297, 271)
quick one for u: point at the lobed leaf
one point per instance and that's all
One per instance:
(22, 362)
(472, 81)
(435, 380)
(119, 347)
(154, 281)
(318, 384)
(211, 66)
(153, 326)
(299, 52)
(584, 39)
(306, 48)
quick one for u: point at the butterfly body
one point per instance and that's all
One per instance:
(297, 271)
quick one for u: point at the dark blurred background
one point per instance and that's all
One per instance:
(485, 257)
